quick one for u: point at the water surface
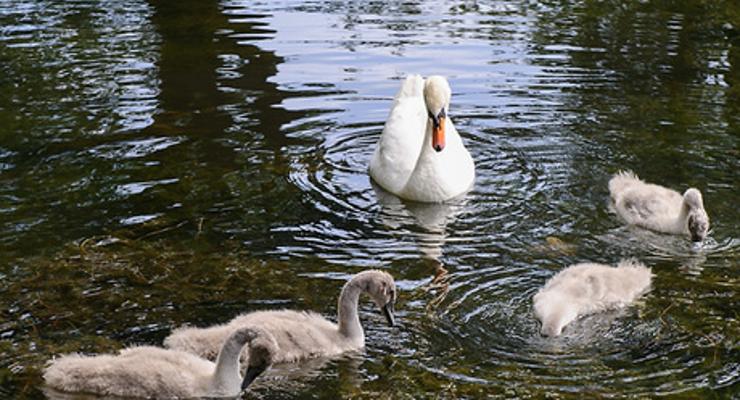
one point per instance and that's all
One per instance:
(164, 163)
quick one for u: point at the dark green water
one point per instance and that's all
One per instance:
(171, 162)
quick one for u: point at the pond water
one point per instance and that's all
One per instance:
(164, 163)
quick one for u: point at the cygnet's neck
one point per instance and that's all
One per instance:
(349, 320)
(683, 216)
(226, 379)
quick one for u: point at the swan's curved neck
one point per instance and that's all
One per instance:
(427, 153)
(226, 375)
(349, 320)
(427, 136)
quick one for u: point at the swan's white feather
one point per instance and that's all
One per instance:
(404, 162)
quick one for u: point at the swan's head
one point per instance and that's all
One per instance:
(698, 220)
(437, 94)
(262, 349)
(379, 285)
(554, 311)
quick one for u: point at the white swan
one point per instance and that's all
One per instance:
(658, 208)
(420, 155)
(153, 372)
(299, 335)
(588, 288)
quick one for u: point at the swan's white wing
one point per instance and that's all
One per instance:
(400, 143)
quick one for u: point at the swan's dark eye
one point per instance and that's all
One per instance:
(436, 118)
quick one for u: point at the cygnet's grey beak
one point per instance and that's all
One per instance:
(697, 245)
(697, 238)
(388, 312)
(550, 330)
(253, 371)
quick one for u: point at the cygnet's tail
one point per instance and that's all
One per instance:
(638, 277)
(633, 263)
(620, 181)
(73, 372)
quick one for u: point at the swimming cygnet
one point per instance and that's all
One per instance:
(153, 372)
(298, 334)
(658, 208)
(588, 288)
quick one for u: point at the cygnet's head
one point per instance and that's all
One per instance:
(379, 285)
(262, 349)
(698, 220)
(243, 335)
(437, 94)
(554, 312)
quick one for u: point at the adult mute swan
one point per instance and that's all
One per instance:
(420, 155)
(298, 334)
(152, 372)
(658, 208)
(588, 288)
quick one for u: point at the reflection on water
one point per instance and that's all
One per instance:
(181, 162)
(431, 218)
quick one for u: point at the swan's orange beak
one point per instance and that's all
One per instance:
(438, 134)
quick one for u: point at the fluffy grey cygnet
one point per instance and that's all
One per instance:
(299, 335)
(153, 372)
(658, 208)
(588, 288)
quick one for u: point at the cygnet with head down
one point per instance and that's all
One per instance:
(587, 288)
(658, 208)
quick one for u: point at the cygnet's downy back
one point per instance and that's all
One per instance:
(588, 288)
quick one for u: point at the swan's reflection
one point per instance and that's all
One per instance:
(432, 219)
